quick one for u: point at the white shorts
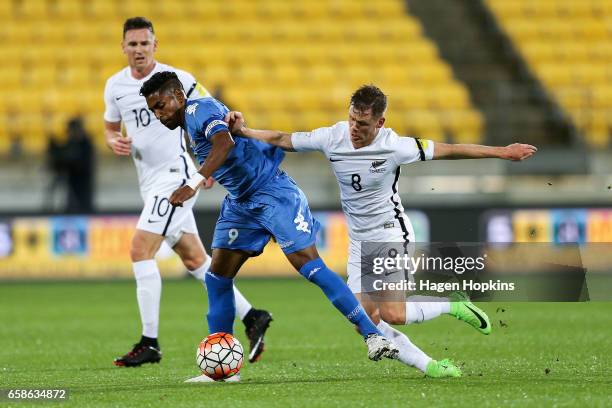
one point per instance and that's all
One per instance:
(160, 218)
(397, 234)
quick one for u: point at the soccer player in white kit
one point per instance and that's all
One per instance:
(163, 165)
(366, 159)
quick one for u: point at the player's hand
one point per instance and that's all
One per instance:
(208, 183)
(235, 122)
(519, 151)
(181, 195)
(121, 146)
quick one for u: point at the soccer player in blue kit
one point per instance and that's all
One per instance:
(262, 201)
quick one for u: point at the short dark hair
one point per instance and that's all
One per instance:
(136, 23)
(369, 97)
(161, 81)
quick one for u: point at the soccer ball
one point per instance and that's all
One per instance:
(219, 356)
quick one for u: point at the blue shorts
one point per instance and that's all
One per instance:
(278, 209)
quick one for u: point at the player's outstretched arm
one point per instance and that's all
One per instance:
(238, 127)
(514, 152)
(222, 144)
(114, 139)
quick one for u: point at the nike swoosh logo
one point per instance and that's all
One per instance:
(150, 221)
(120, 97)
(483, 323)
(334, 160)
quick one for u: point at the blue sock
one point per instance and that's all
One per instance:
(339, 294)
(221, 303)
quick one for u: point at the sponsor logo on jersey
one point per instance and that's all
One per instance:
(284, 245)
(191, 109)
(375, 168)
(302, 225)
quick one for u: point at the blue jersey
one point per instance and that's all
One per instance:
(249, 165)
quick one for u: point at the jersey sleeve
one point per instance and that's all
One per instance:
(206, 119)
(317, 140)
(410, 150)
(111, 110)
(193, 89)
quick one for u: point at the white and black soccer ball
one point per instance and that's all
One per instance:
(219, 356)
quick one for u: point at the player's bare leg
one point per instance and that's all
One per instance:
(308, 262)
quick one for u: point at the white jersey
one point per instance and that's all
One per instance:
(369, 176)
(158, 152)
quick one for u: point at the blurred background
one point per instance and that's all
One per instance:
(460, 71)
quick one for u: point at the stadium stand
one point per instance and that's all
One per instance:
(568, 45)
(291, 65)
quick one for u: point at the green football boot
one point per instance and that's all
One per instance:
(441, 369)
(463, 309)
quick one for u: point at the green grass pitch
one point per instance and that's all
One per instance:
(65, 335)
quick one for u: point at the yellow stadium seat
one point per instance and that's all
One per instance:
(250, 76)
(311, 120)
(11, 78)
(385, 8)
(597, 131)
(215, 75)
(170, 11)
(310, 9)
(290, 74)
(407, 98)
(101, 9)
(601, 97)
(321, 75)
(278, 120)
(568, 44)
(135, 8)
(6, 10)
(15, 33)
(346, 10)
(264, 99)
(66, 9)
(290, 64)
(303, 99)
(399, 29)
(30, 9)
(555, 74)
(574, 8)
(41, 76)
(448, 98)
(280, 10)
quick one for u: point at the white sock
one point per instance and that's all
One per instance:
(409, 353)
(422, 308)
(242, 305)
(201, 271)
(148, 293)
